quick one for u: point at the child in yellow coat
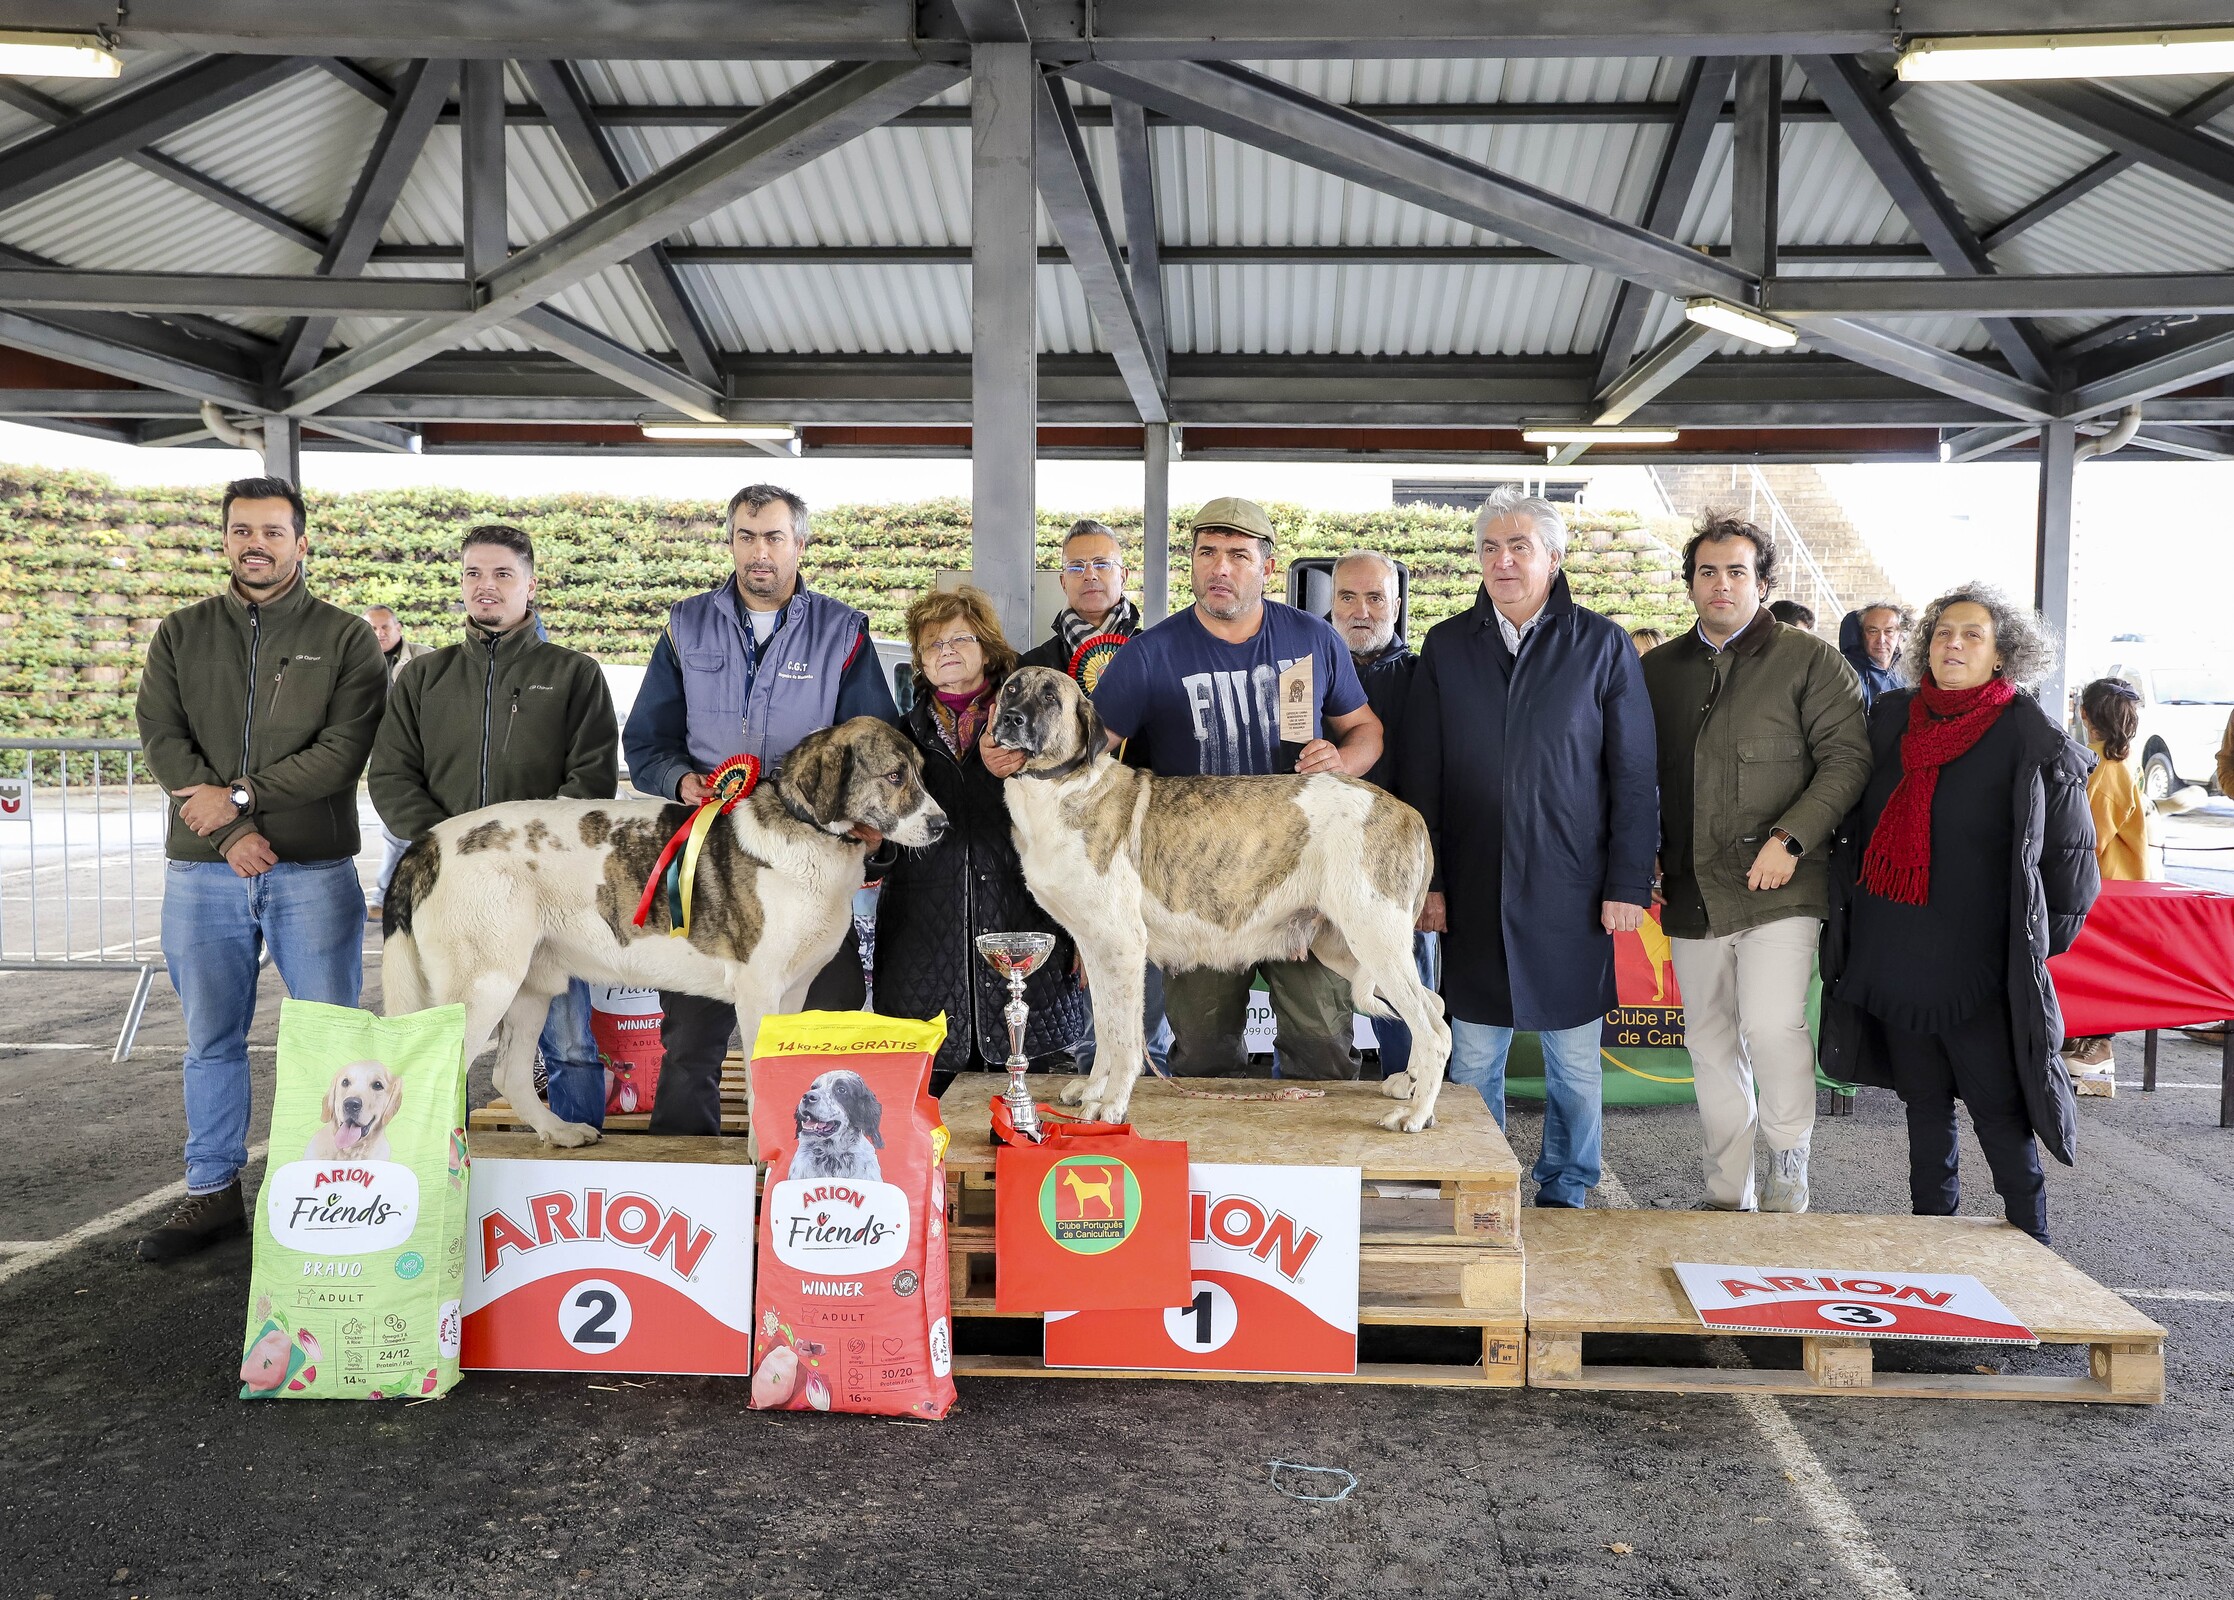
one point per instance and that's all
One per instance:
(2111, 712)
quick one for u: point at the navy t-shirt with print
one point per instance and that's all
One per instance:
(1193, 704)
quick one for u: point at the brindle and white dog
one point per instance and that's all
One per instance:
(1214, 872)
(499, 907)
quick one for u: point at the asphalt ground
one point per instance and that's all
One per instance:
(128, 1467)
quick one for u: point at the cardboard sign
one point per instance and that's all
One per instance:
(1274, 1254)
(1260, 1030)
(1950, 1307)
(1649, 1015)
(609, 1266)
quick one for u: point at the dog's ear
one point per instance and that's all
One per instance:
(1092, 732)
(815, 776)
(327, 1110)
(395, 1092)
(863, 1109)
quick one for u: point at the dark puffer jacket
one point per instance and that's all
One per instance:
(936, 901)
(2053, 881)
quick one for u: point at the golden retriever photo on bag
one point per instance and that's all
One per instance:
(353, 1122)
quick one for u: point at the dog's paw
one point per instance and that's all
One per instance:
(1397, 1086)
(1074, 1092)
(571, 1135)
(1408, 1120)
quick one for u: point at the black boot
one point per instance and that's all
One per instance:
(199, 1221)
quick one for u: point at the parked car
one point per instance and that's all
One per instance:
(2184, 710)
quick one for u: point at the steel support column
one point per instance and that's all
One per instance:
(2051, 582)
(1155, 523)
(283, 449)
(1004, 331)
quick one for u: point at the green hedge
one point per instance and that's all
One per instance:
(88, 568)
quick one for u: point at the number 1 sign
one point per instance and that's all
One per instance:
(1274, 1254)
(609, 1266)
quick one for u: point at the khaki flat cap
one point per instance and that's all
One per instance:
(1236, 514)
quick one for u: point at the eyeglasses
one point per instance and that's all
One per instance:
(939, 647)
(1100, 569)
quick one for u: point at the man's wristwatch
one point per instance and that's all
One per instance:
(1788, 841)
(241, 798)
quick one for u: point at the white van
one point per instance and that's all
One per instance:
(2184, 710)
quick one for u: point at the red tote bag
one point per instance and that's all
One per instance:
(1092, 1219)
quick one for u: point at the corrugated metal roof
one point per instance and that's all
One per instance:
(298, 147)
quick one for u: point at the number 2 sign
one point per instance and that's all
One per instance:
(1274, 1253)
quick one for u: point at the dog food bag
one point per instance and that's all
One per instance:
(360, 1228)
(850, 1313)
(625, 1024)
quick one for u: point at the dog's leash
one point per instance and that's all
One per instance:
(1286, 1091)
(732, 781)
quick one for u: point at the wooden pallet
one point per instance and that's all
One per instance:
(1611, 1272)
(1439, 1213)
(680, 1149)
(498, 1114)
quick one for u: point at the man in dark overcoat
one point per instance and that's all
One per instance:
(1529, 748)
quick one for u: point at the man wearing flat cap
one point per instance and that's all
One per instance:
(1236, 685)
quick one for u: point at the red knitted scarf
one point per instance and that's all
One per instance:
(1942, 725)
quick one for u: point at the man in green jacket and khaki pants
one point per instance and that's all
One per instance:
(1764, 748)
(256, 712)
(503, 715)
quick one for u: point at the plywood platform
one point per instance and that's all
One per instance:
(681, 1149)
(1440, 1214)
(1601, 1272)
(1464, 1157)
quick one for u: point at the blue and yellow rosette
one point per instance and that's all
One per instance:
(677, 867)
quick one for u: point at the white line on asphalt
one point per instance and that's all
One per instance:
(2206, 1297)
(262, 1049)
(1874, 1577)
(44, 1251)
(2135, 1083)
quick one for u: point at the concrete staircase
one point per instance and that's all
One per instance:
(1813, 511)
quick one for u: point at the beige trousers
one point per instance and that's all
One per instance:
(1745, 1022)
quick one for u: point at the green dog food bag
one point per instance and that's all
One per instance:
(360, 1228)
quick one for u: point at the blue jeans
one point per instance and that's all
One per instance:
(1574, 1112)
(311, 915)
(576, 1072)
(1395, 1039)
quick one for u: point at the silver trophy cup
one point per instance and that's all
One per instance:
(1016, 956)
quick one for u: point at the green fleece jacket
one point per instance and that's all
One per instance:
(284, 695)
(491, 718)
(1768, 732)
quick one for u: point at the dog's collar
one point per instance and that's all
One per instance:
(795, 811)
(1061, 769)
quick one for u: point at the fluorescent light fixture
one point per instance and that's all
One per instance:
(780, 432)
(56, 55)
(1992, 59)
(1563, 433)
(1740, 323)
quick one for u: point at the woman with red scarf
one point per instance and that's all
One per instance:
(1969, 862)
(935, 901)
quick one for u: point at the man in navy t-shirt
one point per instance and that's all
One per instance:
(1201, 694)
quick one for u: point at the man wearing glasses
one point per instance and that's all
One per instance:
(752, 666)
(1094, 587)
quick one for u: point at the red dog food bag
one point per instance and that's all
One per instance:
(850, 1310)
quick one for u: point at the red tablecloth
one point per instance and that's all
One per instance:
(2153, 955)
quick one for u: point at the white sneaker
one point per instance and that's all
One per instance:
(1785, 1187)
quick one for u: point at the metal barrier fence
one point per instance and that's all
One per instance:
(81, 863)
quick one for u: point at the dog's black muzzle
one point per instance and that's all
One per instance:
(1012, 730)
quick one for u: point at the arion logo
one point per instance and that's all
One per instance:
(1089, 1204)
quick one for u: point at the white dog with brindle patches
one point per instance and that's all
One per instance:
(500, 907)
(1214, 872)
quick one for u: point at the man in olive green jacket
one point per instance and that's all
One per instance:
(256, 712)
(503, 715)
(1764, 748)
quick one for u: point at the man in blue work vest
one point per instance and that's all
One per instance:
(751, 667)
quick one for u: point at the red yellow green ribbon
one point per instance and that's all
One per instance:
(677, 867)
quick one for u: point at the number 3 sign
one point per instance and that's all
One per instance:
(1274, 1254)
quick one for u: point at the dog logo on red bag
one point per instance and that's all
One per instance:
(1089, 1204)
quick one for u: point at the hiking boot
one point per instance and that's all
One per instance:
(199, 1221)
(2085, 1055)
(1785, 1187)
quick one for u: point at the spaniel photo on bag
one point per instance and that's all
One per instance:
(850, 1312)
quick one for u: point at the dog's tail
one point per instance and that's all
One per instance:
(403, 980)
